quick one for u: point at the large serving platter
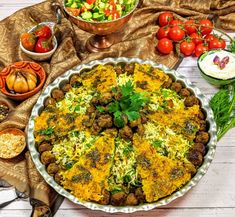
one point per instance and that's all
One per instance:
(211, 146)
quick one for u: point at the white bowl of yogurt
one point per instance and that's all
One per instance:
(217, 66)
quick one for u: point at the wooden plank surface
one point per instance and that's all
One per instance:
(214, 196)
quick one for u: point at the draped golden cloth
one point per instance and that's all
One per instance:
(136, 39)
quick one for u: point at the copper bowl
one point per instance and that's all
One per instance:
(26, 66)
(101, 30)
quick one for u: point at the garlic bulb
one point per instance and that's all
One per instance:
(21, 81)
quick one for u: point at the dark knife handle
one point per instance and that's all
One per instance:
(7, 203)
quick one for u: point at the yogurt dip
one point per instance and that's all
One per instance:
(208, 67)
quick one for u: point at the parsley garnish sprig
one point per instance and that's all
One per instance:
(128, 106)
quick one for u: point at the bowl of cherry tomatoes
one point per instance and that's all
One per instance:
(39, 43)
(192, 37)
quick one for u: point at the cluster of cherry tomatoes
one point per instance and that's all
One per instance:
(194, 37)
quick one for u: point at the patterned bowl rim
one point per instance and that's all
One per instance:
(211, 146)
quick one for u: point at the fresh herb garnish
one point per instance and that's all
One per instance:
(231, 47)
(222, 104)
(128, 106)
(100, 109)
(47, 132)
(157, 143)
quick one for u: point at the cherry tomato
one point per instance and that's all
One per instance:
(165, 18)
(115, 15)
(209, 38)
(196, 38)
(75, 12)
(201, 48)
(165, 46)
(90, 2)
(187, 48)
(176, 33)
(163, 32)
(217, 43)
(28, 40)
(176, 23)
(43, 31)
(43, 45)
(190, 27)
(206, 23)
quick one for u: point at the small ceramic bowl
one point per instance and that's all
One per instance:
(214, 75)
(25, 66)
(10, 149)
(41, 56)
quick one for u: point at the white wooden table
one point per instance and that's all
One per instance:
(214, 196)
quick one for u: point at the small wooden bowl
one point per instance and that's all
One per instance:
(26, 66)
(14, 153)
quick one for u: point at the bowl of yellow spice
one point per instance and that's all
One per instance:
(22, 80)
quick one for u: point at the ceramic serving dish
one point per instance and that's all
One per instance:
(125, 209)
(27, 67)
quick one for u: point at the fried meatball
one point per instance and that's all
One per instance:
(202, 125)
(184, 92)
(105, 98)
(52, 168)
(126, 133)
(176, 86)
(105, 121)
(191, 101)
(75, 81)
(140, 195)
(135, 123)
(66, 87)
(140, 130)
(195, 157)
(47, 157)
(130, 68)
(58, 177)
(57, 94)
(106, 197)
(45, 146)
(131, 200)
(167, 83)
(118, 199)
(199, 147)
(202, 137)
(118, 69)
(201, 115)
(49, 101)
(96, 128)
(90, 110)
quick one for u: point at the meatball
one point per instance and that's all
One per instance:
(75, 81)
(49, 101)
(118, 69)
(58, 177)
(201, 115)
(202, 137)
(199, 147)
(118, 199)
(45, 146)
(47, 157)
(167, 83)
(140, 130)
(96, 128)
(105, 98)
(176, 86)
(57, 94)
(106, 197)
(126, 133)
(140, 195)
(90, 110)
(66, 87)
(135, 123)
(129, 68)
(131, 200)
(105, 121)
(195, 157)
(202, 125)
(184, 92)
(52, 168)
(191, 101)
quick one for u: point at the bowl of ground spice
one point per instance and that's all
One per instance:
(12, 143)
(4, 110)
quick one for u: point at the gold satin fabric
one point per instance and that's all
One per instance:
(137, 39)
